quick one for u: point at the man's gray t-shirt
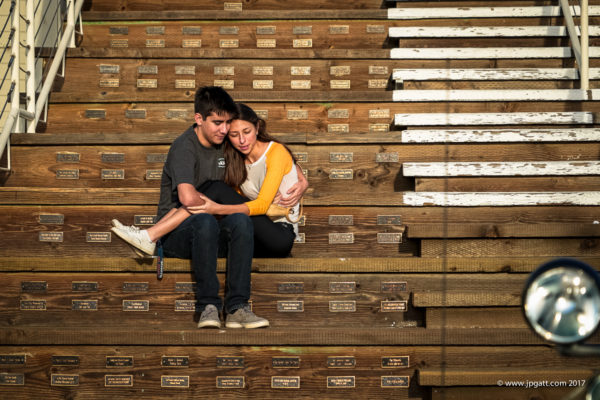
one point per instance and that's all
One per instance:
(188, 162)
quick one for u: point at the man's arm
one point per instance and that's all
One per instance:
(188, 195)
(295, 193)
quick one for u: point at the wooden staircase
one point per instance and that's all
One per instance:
(421, 222)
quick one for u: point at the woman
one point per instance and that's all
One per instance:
(259, 167)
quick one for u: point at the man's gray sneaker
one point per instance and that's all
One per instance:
(135, 237)
(209, 317)
(244, 318)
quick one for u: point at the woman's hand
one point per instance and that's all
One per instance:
(209, 207)
(294, 193)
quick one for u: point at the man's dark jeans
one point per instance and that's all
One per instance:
(201, 238)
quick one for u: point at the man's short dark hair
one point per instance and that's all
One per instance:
(213, 99)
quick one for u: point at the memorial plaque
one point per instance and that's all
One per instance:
(339, 29)
(296, 70)
(224, 70)
(341, 362)
(383, 113)
(300, 84)
(51, 219)
(230, 362)
(229, 6)
(342, 287)
(173, 381)
(300, 238)
(34, 286)
(225, 84)
(380, 128)
(64, 380)
(148, 69)
(341, 238)
(51, 237)
(290, 287)
(376, 29)
(338, 128)
(12, 359)
(67, 157)
(340, 382)
(393, 287)
(230, 382)
(10, 379)
(297, 114)
(339, 84)
(285, 362)
(144, 219)
(266, 43)
(113, 174)
(265, 30)
(119, 361)
(109, 83)
(229, 43)
(185, 287)
(84, 305)
(342, 306)
(147, 83)
(395, 362)
(84, 286)
(344, 220)
(394, 381)
(185, 70)
(153, 174)
(119, 43)
(118, 380)
(185, 83)
(264, 114)
(95, 114)
(387, 158)
(389, 237)
(155, 30)
(118, 30)
(340, 70)
(191, 30)
(177, 114)
(156, 158)
(302, 30)
(131, 287)
(285, 382)
(301, 156)
(136, 305)
(339, 113)
(341, 174)
(377, 83)
(290, 306)
(112, 157)
(262, 70)
(302, 43)
(135, 114)
(175, 361)
(389, 220)
(262, 84)
(394, 306)
(185, 305)
(65, 361)
(341, 157)
(191, 43)
(378, 70)
(229, 30)
(155, 43)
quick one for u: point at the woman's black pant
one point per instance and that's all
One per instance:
(271, 239)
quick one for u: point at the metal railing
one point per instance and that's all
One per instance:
(580, 46)
(63, 17)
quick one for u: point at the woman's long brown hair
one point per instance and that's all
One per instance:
(235, 172)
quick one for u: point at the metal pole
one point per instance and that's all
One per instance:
(15, 76)
(585, 61)
(71, 21)
(30, 63)
(566, 10)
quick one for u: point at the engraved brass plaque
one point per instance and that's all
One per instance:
(266, 30)
(225, 84)
(387, 157)
(95, 114)
(148, 69)
(68, 157)
(135, 287)
(262, 70)
(156, 158)
(342, 306)
(224, 70)
(301, 43)
(185, 70)
(144, 219)
(155, 43)
(266, 43)
(185, 287)
(65, 361)
(339, 29)
(389, 220)
(175, 361)
(119, 43)
(378, 70)
(262, 84)
(112, 157)
(290, 287)
(229, 6)
(290, 305)
(339, 84)
(229, 30)
(395, 362)
(136, 305)
(34, 286)
(230, 362)
(297, 70)
(301, 156)
(84, 305)
(300, 238)
(340, 70)
(177, 114)
(340, 382)
(52, 219)
(285, 362)
(109, 83)
(341, 174)
(84, 286)
(394, 306)
(119, 361)
(155, 30)
(12, 359)
(172, 381)
(300, 84)
(339, 113)
(297, 114)
(285, 382)
(338, 128)
(341, 238)
(377, 83)
(376, 29)
(342, 287)
(376, 114)
(153, 174)
(341, 157)
(302, 30)
(67, 174)
(147, 83)
(185, 83)
(341, 362)
(389, 237)
(229, 43)
(264, 114)
(381, 128)
(344, 220)
(10, 379)
(118, 380)
(394, 381)
(230, 382)
(191, 43)
(118, 30)
(64, 380)
(393, 287)
(113, 174)
(185, 305)
(51, 237)
(135, 114)
(191, 30)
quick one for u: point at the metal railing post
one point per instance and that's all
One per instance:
(585, 61)
(30, 63)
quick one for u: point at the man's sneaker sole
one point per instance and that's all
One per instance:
(131, 242)
(209, 324)
(249, 325)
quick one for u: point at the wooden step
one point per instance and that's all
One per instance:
(508, 184)
(513, 118)
(485, 31)
(500, 199)
(486, 52)
(497, 95)
(492, 74)
(484, 12)
(465, 230)
(500, 135)
(559, 168)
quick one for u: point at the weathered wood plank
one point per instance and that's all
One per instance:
(469, 318)
(483, 12)
(485, 31)
(486, 52)
(492, 376)
(513, 118)
(501, 199)
(465, 230)
(501, 135)
(491, 74)
(502, 168)
(508, 184)
(496, 95)
(467, 299)
(497, 393)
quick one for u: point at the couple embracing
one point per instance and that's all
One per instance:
(221, 177)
